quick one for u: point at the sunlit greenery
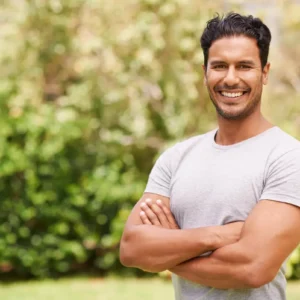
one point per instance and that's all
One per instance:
(100, 288)
(90, 93)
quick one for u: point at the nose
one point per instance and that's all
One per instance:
(231, 77)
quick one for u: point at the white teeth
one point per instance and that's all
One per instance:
(232, 95)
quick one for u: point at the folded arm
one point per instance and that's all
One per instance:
(270, 234)
(157, 248)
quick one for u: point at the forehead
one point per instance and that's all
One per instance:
(236, 48)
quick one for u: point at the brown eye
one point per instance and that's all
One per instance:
(219, 67)
(244, 67)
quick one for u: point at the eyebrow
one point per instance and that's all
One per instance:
(245, 62)
(217, 62)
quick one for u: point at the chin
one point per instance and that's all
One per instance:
(234, 115)
(236, 110)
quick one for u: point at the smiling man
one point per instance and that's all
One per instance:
(235, 76)
(221, 210)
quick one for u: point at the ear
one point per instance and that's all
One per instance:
(266, 71)
(204, 78)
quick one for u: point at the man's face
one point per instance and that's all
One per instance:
(234, 77)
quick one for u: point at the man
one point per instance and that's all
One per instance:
(234, 191)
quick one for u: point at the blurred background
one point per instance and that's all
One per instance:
(91, 92)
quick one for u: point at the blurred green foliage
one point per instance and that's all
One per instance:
(90, 93)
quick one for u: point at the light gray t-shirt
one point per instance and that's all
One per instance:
(210, 184)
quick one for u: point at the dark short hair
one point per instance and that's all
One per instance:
(234, 24)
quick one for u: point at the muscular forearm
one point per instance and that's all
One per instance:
(155, 249)
(228, 267)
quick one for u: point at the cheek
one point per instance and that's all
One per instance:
(212, 80)
(253, 82)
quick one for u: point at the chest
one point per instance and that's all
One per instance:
(216, 188)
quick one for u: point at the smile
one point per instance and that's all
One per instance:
(232, 95)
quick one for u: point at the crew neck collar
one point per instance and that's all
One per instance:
(249, 140)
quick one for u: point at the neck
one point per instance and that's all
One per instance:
(235, 131)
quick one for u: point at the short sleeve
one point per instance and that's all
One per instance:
(283, 179)
(161, 174)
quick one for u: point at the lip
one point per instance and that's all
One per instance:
(241, 90)
(232, 99)
(233, 92)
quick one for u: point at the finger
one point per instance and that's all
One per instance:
(168, 214)
(144, 218)
(159, 213)
(150, 214)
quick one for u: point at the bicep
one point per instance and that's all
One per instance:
(134, 217)
(271, 232)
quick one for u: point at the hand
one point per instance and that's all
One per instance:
(157, 214)
(230, 233)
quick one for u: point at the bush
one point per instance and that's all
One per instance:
(90, 93)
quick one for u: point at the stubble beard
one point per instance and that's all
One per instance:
(239, 115)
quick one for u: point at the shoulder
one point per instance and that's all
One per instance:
(283, 171)
(287, 139)
(168, 162)
(284, 157)
(172, 157)
(284, 146)
(182, 148)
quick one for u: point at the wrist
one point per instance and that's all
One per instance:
(178, 267)
(215, 237)
(228, 234)
(208, 238)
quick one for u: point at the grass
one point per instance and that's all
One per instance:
(101, 289)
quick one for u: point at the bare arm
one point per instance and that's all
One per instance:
(270, 234)
(155, 248)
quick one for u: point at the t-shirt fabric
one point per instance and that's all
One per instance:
(210, 184)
